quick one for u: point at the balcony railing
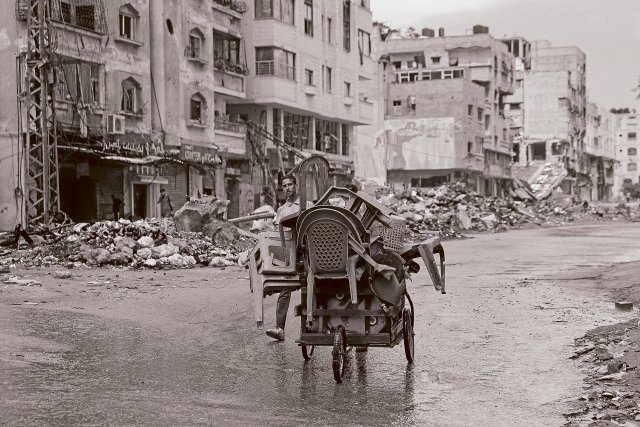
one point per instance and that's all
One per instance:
(272, 68)
(227, 126)
(235, 5)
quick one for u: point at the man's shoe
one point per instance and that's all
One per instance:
(277, 334)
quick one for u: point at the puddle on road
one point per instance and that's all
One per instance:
(90, 370)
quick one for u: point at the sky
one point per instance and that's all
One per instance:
(608, 31)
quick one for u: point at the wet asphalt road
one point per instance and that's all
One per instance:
(144, 348)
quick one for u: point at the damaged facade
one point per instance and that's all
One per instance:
(140, 99)
(599, 155)
(555, 106)
(444, 109)
(627, 151)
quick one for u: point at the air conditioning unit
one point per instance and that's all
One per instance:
(115, 124)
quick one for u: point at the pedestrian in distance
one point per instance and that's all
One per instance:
(291, 205)
(166, 205)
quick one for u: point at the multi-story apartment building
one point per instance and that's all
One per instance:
(307, 61)
(627, 148)
(599, 154)
(445, 109)
(555, 111)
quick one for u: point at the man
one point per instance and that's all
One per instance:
(116, 204)
(166, 205)
(291, 205)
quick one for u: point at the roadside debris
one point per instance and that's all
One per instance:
(610, 356)
(143, 243)
(452, 208)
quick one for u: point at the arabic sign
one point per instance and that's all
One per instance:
(143, 148)
(197, 154)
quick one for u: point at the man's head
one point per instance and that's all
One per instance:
(162, 191)
(289, 186)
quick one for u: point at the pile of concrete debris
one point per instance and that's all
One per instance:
(610, 358)
(453, 208)
(151, 243)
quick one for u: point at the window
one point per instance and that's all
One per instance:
(364, 43)
(273, 61)
(79, 82)
(345, 140)
(469, 147)
(480, 113)
(195, 49)
(631, 135)
(226, 53)
(128, 21)
(515, 106)
(85, 17)
(631, 151)
(65, 13)
(435, 59)
(282, 10)
(347, 89)
(346, 25)
(196, 109)
(632, 167)
(308, 17)
(453, 61)
(327, 136)
(308, 77)
(130, 100)
(397, 103)
(470, 110)
(329, 30)
(329, 79)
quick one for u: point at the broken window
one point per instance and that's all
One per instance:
(346, 25)
(86, 17)
(308, 17)
(130, 100)
(85, 14)
(196, 109)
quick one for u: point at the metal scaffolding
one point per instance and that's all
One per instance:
(40, 134)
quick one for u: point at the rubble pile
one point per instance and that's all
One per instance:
(609, 356)
(151, 243)
(452, 208)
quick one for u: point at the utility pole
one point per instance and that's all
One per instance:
(40, 135)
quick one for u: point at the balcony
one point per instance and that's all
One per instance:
(228, 80)
(230, 137)
(234, 5)
(277, 69)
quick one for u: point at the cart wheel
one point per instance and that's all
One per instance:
(339, 353)
(407, 334)
(307, 352)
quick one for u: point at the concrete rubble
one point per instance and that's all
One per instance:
(150, 243)
(452, 209)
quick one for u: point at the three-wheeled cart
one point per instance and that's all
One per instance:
(348, 256)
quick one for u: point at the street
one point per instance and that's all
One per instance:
(179, 347)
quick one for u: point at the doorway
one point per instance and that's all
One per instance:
(140, 199)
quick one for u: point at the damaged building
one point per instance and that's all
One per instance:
(444, 109)
(137, 95)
